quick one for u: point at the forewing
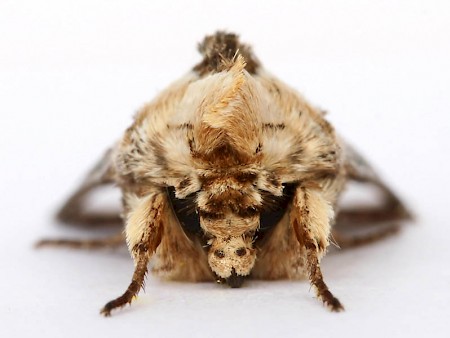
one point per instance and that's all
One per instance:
(359, 170)
(75, 211)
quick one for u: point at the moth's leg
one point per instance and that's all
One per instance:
(74, 209)
(351, 241)
(107, 242)
(143, 232)
(310, 217)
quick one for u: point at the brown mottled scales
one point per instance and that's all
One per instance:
(230, 174)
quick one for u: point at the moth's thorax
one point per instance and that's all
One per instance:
(229, 203)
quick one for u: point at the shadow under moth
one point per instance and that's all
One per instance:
(230, 174)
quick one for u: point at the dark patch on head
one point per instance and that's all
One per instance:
(241, 252)
(219, 50)
(219, 253)
(258, 148)
(191, 143)
(186, 125)
(274, 126)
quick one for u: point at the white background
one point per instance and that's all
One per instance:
(72, 74)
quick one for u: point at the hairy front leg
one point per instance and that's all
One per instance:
(143, 232)
(310, 216)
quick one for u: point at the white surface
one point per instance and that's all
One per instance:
(73, 73)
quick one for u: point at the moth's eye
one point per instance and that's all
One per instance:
(274, 207)
(219, 254)
(185, 211)
(241, 252)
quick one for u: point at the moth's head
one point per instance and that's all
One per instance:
(232, 258)
(225, 211)
(233, 209)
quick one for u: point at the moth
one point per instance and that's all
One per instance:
(230, 174)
